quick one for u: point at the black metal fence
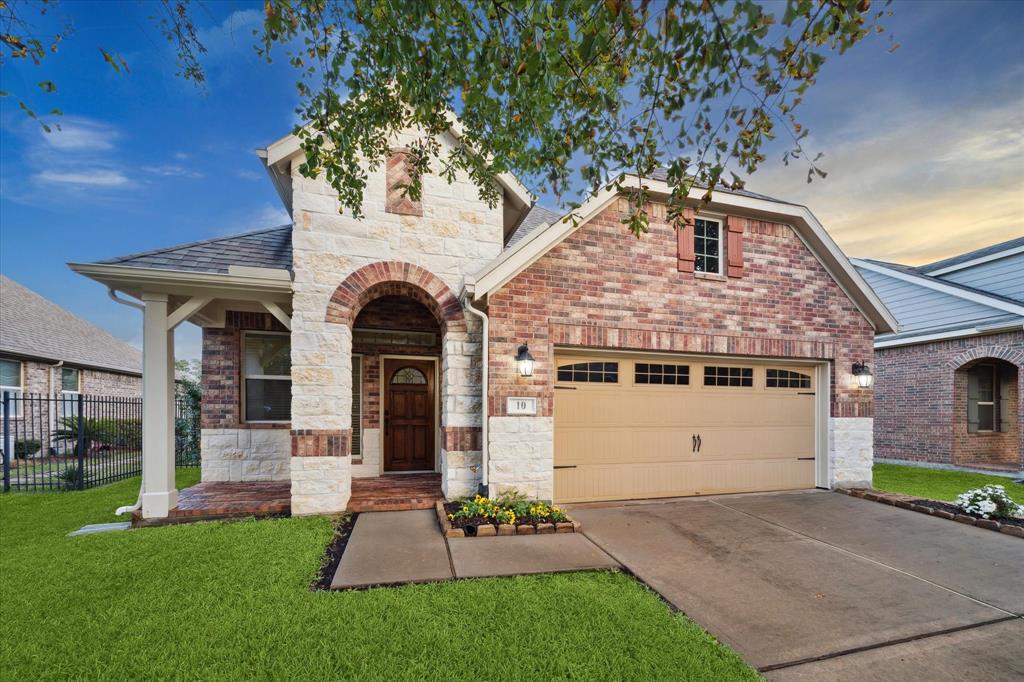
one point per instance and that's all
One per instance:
(74, 441)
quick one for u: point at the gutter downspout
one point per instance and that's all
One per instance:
(128, 508)
(484, 459)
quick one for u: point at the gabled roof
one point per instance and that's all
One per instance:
(32, 326)
(931, 308)
(538, 241)
(268, 248)
(975, 257)
(536, 217)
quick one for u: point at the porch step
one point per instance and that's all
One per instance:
(395, 493)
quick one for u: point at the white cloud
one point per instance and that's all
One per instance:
(233, 35)
(80, 134)
(270, 216)
(172, 170)
(250, 175)
(85, 177)
(182, 156)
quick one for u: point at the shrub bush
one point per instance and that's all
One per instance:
(510, 506)
(24, 449)
(990, 501)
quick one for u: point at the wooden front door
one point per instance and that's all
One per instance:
(408, 415)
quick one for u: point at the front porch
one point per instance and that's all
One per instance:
(212, 501)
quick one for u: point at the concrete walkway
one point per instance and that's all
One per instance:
(390, 548)
(788, 579)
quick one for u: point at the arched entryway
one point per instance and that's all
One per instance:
(406, 324)
(987, 414)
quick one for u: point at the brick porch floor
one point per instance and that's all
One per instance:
(207, 501)
(397, 492)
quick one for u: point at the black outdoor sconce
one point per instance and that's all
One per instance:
(863, 374)
(524, 361)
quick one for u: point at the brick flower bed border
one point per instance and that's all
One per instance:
(490, 530)
(910, 502)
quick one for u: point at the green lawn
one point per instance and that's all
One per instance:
(230, 601)
(938, 484)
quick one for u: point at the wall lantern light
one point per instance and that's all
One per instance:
(863, 374)
(525, 361)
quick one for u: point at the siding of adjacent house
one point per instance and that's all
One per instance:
(918, 307)
(1004, 277)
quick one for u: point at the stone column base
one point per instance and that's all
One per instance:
(320, 485)
(850, 451)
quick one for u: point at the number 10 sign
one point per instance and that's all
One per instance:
(521, 406)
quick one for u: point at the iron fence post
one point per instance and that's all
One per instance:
(8, 450)
(81, 443)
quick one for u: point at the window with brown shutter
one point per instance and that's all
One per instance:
(684, 242)
(734, 246)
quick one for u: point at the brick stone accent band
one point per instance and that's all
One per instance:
(316, 443)
(395, 278)
(396, 200)
(461, 438)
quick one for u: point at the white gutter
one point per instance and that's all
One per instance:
(128, 508)
(484, 459)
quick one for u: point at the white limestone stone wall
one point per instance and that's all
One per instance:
(245, 454)
(320, 485)
(456, 235)
(850, 453)
(461, 473)
(521, 455)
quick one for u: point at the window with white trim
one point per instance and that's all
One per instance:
(266, 377)
(10, 382)
(70, 380)
(707, 245)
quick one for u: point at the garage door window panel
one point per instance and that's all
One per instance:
(784, 378)
(736, 377)
(589, 372)
(659, 374)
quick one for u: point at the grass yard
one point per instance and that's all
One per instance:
(938, 484)
(230, 601)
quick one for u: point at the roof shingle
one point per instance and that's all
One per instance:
(33, 326)
(268, 248)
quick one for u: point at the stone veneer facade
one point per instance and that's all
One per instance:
(921, 392)
(422, 250)
(597, 289)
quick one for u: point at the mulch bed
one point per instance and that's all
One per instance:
(332, 554)
(944, 510)
(952, 508)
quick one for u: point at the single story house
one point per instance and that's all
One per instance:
(48, 350)
(949, 385)
(506, 347)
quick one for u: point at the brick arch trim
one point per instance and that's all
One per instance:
(1015, 357)
(395, 278)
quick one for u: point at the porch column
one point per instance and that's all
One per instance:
(159, 495)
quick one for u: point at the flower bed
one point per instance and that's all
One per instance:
(944, 510)
(510, 514)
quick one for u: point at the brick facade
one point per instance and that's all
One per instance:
(921, 397)
(603, 288)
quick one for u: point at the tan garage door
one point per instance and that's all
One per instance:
(631, 427)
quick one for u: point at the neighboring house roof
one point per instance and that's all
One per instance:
(536, 217)
(268, 248)
(32, 326)
(931, 308)
(975, 257)
(534, 243)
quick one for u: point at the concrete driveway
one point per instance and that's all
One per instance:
(819, 585)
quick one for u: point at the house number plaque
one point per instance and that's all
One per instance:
(515, 406)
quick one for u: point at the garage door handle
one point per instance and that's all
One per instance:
(698, 442)
(566, 466)
(693, 447)
(566, 388)
(806, 393)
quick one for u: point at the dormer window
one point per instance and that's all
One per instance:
(707, 246)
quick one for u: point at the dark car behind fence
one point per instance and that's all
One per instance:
(75, 441)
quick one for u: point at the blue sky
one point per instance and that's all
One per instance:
(924, 146)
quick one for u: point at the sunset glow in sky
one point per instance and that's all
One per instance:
(924, 146)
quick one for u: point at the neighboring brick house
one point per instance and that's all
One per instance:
(46, 350)
(949, 385)
(339, 349)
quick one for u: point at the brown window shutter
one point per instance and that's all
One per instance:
(684, 242)
(734, 246)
